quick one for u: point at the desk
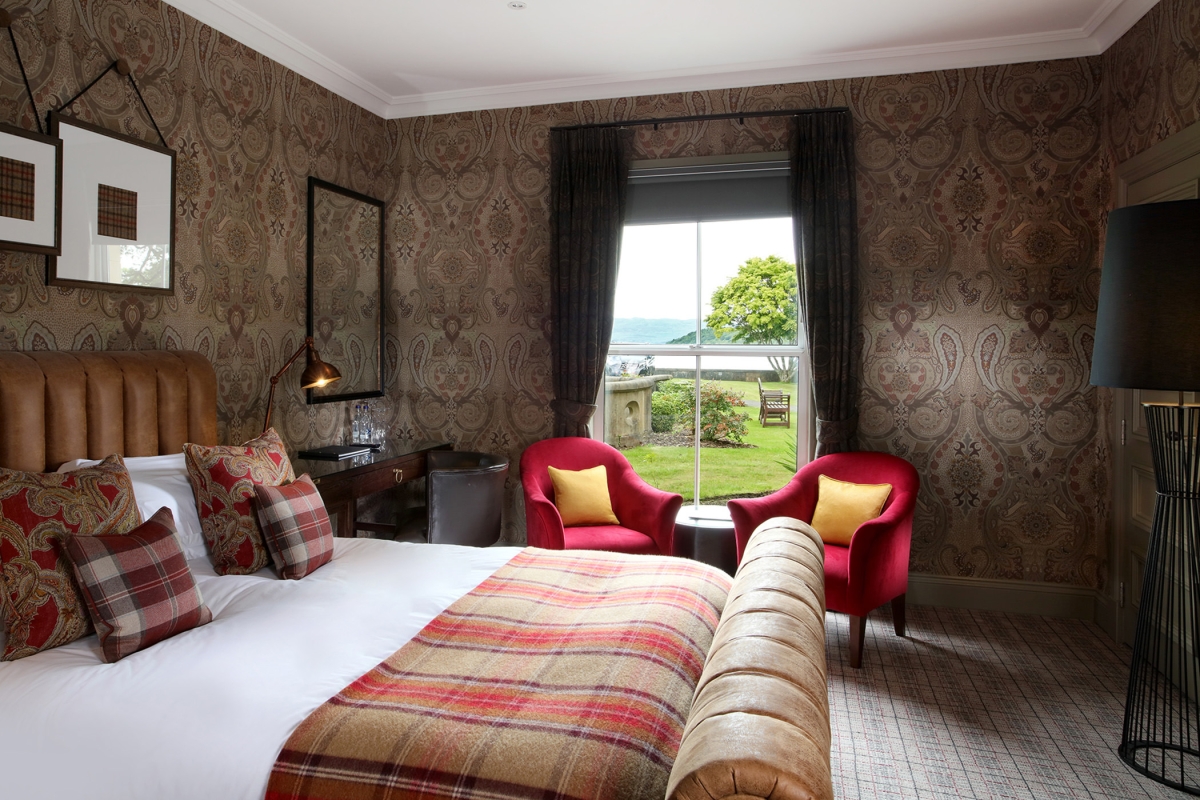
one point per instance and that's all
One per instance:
(706, 534)
(342, 483)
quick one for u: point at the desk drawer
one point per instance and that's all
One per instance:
(342, 487)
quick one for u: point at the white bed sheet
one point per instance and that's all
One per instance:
(204, 715)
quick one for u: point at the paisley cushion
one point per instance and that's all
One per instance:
(42, 607)
(223, 478)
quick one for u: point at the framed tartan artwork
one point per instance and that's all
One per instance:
(30, 191)
(118, 211)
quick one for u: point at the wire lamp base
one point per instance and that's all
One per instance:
(1161, 735)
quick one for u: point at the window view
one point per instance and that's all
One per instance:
(707, 309)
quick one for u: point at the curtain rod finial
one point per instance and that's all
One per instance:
(5, 18)
(123, 67)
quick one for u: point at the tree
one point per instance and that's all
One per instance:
(759, 306)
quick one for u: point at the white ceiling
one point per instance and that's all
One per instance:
(402, 58)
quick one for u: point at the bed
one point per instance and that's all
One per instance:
(215, 712)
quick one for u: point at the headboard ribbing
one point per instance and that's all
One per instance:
(56, 406)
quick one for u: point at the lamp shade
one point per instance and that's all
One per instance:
(317, 373)
(1148, 322)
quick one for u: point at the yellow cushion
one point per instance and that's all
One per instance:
(582, 496)
(842, 507)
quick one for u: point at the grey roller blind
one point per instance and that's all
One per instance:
(708, 193)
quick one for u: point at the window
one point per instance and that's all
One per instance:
(706, 306)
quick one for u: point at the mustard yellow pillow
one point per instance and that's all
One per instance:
(842, 507)
(582, 496)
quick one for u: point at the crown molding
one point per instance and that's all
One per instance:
(1106, 25)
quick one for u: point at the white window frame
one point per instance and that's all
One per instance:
(805, 424)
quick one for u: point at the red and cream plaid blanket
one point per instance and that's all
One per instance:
(561, 676)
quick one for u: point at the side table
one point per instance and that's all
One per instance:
(342, 483)
(705, 533)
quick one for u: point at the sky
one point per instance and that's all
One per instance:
(657, 276)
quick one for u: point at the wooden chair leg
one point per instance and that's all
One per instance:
(858, 632)
(898, 615)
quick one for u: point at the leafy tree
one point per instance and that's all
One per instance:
(759, 306)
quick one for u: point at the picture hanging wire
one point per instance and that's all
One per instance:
(122, 67)
(6, 22)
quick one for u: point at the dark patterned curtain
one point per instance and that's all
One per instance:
(589, 173)
(824, 215)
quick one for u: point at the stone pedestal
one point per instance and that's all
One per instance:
(627, 409)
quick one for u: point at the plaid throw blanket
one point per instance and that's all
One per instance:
(562, 676)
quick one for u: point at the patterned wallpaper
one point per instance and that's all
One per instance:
(982, 199)
(981, 193)
(248, 133)
(1152, 78)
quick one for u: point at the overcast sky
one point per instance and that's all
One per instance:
(657, 277)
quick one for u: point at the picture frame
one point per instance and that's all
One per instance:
(346, 289)
(30, 191)
(118, 211)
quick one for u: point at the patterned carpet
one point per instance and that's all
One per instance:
(980, 705)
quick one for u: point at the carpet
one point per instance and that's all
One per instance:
(975, 704)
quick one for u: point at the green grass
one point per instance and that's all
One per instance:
(724, 471)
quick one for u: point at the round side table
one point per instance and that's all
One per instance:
(705, 533)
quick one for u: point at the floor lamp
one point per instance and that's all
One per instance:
(1148, 337)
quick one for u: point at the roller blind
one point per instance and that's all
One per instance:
(708, 193)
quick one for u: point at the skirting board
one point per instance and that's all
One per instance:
(1014, 597)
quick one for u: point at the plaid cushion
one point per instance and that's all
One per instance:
(296, 527)
(41, 606)
(223, 479)
(137, 585)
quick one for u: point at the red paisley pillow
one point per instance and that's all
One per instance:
(223, 478)
(42, 606)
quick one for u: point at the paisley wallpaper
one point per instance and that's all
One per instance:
(982, 192)
(248, 133)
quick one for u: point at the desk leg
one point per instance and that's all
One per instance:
(346, 512)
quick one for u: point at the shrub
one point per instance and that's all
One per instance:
(673, 408)
(718, 419)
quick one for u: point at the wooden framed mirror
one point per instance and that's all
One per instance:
(345, 289)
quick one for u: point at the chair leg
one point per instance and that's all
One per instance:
(898, 614)
(858, 632)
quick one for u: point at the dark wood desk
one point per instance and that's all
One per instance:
(342, 483)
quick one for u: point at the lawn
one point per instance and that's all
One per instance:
(724, 471)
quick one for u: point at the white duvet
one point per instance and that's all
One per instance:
(204, 715)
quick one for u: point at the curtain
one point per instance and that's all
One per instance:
(589, 173)
(824, 215)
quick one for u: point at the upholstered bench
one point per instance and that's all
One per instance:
(759, 725)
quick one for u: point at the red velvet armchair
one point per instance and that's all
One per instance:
(874, 568)
(647, 515)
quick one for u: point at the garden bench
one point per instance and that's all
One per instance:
(774, 404)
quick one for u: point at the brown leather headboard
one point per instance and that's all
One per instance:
(56, 406)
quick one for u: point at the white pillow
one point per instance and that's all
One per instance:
(160, 481)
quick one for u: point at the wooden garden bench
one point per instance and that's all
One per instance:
(774, 407)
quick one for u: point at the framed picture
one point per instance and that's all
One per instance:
(118, 211)
(30, 191)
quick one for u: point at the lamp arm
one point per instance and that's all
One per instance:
(307, 345)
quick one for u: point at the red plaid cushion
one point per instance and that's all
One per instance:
(296, 527)
(137, 585)
(224, 479)
(42, 608)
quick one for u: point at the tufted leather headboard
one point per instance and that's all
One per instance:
(56, 406)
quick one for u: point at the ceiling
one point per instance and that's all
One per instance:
(402, 58)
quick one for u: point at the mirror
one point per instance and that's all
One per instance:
(118, 211)
(345, 289)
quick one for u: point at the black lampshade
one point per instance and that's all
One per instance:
(1148, 323)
